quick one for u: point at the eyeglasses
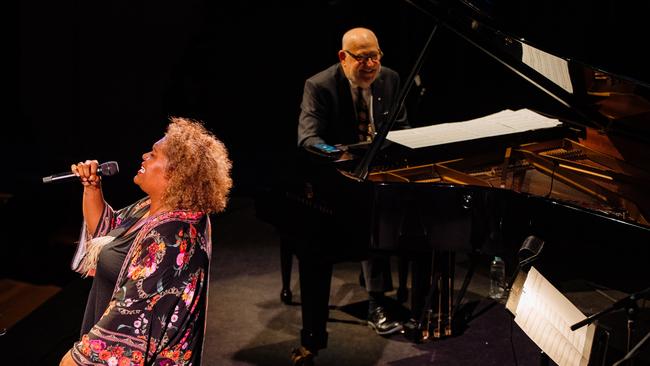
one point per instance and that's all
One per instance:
(374, 57)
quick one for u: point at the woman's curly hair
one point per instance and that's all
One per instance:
(198, 167)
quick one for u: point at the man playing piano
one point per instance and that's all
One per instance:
(345, 104)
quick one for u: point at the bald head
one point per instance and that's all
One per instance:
(360, 56)
(359, 38)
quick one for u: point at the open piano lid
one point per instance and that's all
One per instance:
(613, 105)
(578, 76)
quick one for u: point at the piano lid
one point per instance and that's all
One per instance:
(611, 102)
(608, 35)
(614, 104)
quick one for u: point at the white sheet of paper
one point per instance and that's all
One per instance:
(496, 124)
(546, 316)
(554, 68)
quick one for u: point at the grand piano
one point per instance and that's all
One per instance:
(581, 186)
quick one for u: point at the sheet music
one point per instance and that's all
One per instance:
(496, 124)
(554, 68)
(546, 316)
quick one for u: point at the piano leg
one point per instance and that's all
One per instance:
(403, 270)
(420, 285)
(315, 282)
(286, 264)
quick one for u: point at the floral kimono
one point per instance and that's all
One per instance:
(156, 312)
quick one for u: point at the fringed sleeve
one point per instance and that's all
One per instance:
(110, 225)
(106, 223)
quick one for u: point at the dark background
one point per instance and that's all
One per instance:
(97, 80)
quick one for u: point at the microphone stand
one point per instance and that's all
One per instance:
(634, 350)
(520, 265)
(531, 244)
(631, 308)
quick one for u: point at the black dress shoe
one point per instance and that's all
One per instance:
(378, 320)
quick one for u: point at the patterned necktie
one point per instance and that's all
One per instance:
(363, 118)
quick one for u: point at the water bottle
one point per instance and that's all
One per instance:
(497, 278)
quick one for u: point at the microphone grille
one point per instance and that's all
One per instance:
(109, 168)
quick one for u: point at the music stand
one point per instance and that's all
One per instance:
(545, 315)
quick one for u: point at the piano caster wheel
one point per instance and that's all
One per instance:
(402, 295)
(285, 296)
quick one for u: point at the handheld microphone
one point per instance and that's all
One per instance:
(105, 170)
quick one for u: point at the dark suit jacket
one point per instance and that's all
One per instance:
(327, 111)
